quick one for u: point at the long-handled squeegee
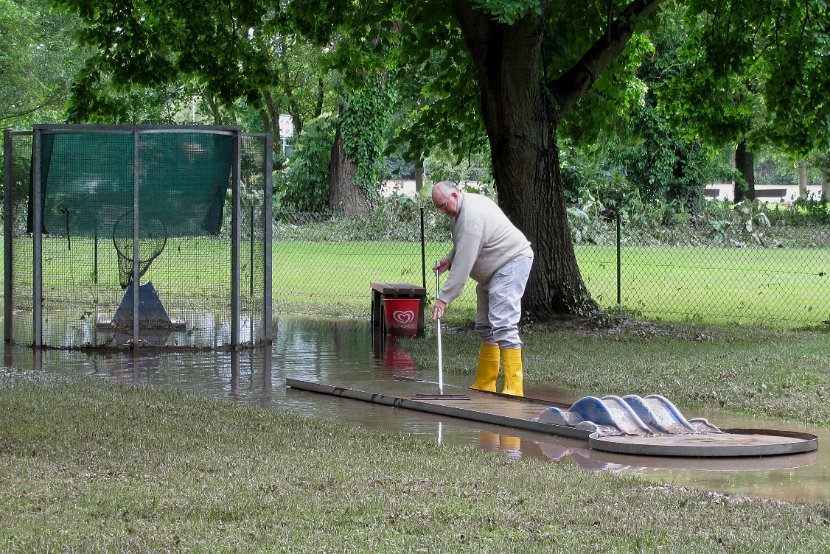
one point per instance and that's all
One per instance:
(440, 395)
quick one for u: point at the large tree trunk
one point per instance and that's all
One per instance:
(344, 197)
(419, 173)
(521, 129)
(521, 109)
(555, 285)
(802, 179)
(745, 164)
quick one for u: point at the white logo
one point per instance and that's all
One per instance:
(404, 316)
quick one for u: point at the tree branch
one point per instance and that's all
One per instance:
(569, 87)
(5, 114)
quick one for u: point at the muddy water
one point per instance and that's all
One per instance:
(313, 349)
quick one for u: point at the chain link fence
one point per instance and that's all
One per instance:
(709, 269)
(700, 271)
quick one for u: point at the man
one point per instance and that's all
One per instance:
(491, 250)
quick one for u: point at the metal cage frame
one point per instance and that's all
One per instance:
(266, 334)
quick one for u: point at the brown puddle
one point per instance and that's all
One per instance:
(316, 349)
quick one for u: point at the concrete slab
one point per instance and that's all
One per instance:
(520, 413)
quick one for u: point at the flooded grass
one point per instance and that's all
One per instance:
(91, 466)
(776, 373)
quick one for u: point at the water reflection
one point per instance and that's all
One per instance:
(315, 349)
(67, 327)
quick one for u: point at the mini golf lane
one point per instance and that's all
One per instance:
(520, 413)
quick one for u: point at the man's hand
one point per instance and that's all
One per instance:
(438, 309)
(442, 265)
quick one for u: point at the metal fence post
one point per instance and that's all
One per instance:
(236, 216)
(136, 235)
(268, 220)
(619, 262)
(423, 252)
(37, 241)
(7, 235)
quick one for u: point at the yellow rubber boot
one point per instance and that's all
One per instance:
(488, 441)
(488, 367)
(510, 444)
(513, 375)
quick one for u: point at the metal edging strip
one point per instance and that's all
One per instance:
(432, 407)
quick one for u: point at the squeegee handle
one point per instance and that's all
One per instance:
(438, 331)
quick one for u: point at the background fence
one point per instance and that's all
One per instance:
(776, 275)
(709, 272)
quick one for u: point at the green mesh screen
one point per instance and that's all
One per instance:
(185, 241)
(183, 179)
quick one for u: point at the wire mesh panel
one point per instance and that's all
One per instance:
(323, 264)
(18, 285)
(782, 279)
(135, 228)
(598, 266)
(255, 237)
(729, 285)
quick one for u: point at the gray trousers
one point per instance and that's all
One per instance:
(499, 303)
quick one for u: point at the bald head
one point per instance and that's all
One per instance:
(442, 189)
(445, 197)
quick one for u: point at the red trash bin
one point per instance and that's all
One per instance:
(401, 316)
(398, 360)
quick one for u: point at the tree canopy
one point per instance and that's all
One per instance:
(523, 73)
(38, 60)
(756, 70)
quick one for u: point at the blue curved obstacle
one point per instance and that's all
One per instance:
(631, 415)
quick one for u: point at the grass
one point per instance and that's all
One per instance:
(776, 373)
(96, 467)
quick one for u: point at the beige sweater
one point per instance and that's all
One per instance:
(483, 241)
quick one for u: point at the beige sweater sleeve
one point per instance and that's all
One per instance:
(464, 255)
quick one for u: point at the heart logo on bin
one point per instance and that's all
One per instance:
(404, 316)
